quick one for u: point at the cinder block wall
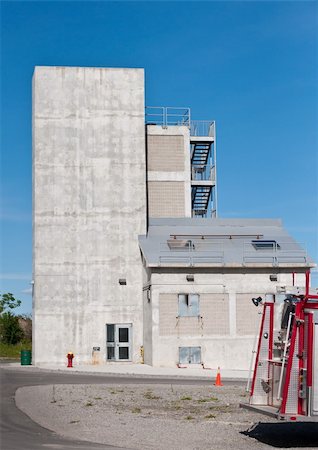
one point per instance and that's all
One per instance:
(227, 323)
(169, 178)
(89, 206)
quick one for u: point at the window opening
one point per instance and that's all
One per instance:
(123, 335)
(110, 352)
(110, 333)
(123, 353)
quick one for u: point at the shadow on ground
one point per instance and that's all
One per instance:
(285, 435)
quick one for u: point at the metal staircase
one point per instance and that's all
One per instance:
(200, 200)
(200, 153)
(203, 175)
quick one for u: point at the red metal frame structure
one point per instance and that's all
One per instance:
(285, 378)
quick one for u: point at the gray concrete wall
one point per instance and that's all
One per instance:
(228, 320)
(147, 315)
(89, 206)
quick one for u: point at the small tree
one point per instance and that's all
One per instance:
(8, 301)
(25, 323)
(10, 329)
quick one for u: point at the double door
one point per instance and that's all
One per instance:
(118, 342)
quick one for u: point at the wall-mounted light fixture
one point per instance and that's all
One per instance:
(273, 277)
(257, 301)
(122, 281)
(190, 277)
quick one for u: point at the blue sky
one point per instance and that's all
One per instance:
(251, 66)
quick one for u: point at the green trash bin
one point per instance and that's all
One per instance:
(26, 357)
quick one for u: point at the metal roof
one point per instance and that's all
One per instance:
(184, 242)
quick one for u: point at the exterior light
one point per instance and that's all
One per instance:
(273, 277)
(190, 277)
(122, 281)
(257, 301)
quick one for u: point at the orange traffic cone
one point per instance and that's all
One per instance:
(218, 381)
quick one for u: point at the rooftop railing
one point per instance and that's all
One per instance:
(172, 116)
(193, 252)
(190, 252)
(285, 252)
(167, 115)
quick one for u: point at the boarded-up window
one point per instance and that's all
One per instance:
(188, 305)
(190, 355)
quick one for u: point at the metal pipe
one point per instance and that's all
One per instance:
(249, 378)
(215, 204)
(284, 357)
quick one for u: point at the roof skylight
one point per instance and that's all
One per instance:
(262, 244)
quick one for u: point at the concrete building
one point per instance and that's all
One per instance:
(89, 193)
(200, 276)
(128, 251)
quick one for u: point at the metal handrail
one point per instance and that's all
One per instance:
(167, 115)
(202, 172)
(192, 253)
(202, 128)
(192, 260)
(198, 250)
(191, 245)
(276, 254)
(178, 116)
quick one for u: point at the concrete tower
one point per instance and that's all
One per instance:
(89, 194)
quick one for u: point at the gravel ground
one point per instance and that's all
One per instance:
(145, 417)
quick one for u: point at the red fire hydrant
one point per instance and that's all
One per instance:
(70, 357)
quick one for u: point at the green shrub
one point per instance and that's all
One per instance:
(14, 351)
(10, 330)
